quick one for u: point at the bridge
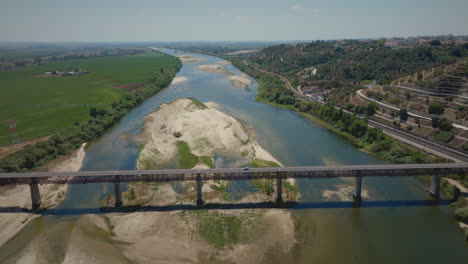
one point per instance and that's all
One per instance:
(33, 179)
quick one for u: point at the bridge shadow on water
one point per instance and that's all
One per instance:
(231, 206)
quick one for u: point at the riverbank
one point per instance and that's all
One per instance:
(179, 79)
(18, 198)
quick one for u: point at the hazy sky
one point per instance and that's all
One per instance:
(173, 20)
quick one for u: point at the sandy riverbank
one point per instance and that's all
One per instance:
(240, 81)
(19, 197)
(179, 79)
(187, 58)
(215, 68)
(223, 62)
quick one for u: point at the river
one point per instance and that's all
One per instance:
(395, 224)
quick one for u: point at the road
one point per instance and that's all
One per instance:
(359, 92)
(410, 139)
(428, 91)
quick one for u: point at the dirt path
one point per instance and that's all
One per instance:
(7, 150)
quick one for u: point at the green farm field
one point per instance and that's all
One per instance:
(44, 105)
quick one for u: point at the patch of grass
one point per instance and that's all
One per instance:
(256, 162)
(207, 160)
(264, 186)
(443, 136)
(225, 231)
(130, 194)
(289, 187)
(198, 103)
(148, 164)
(42, 106)
(186, 159)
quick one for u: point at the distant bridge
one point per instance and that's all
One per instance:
(199, 175)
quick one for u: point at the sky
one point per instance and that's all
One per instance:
(227, 20)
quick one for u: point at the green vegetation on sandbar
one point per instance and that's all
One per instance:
(45, 105)
(256, 162)
(198, 103)
(186, 159)
(264, 186)
(226, 231)
(207, 160)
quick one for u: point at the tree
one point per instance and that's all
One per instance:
(371, 109)
(436, 108)
(404, 114)
(435, 42)
(358, 128)
(374, 134)
(93, 112)
(445, 124)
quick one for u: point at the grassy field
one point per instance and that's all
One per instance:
(42, 105)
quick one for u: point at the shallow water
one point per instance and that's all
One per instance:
(396, 223)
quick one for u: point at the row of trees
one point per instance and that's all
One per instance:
(100, 120)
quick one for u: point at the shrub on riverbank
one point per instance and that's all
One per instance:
(64, 142)
(461, 214)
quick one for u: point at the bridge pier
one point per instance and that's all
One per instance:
(35, 194)
(199, 184)
(279, 190)
(117, 192)
(435, 186)
(357, 188)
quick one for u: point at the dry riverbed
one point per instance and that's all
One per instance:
(19, 197)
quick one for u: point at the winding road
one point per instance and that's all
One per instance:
(409, 139)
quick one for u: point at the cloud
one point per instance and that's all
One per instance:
(297, 8)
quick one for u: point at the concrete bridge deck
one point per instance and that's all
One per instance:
(199, 175)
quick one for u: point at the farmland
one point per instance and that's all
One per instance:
(42, 106)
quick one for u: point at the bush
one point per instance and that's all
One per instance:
(442, 123)
(461, 214)
(436, 108)
(404, 114)
(443, 136)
